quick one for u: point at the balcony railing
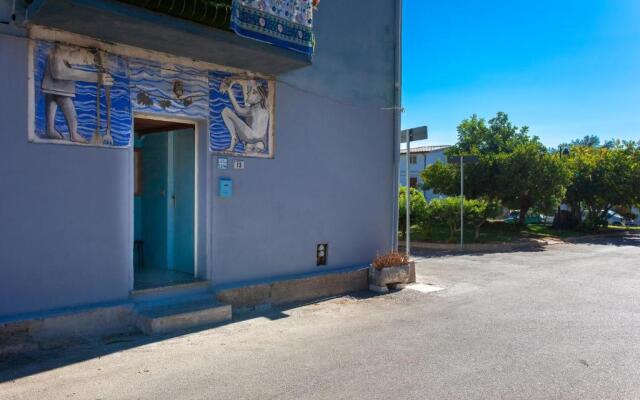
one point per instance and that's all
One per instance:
(197, 29)
(214, 13)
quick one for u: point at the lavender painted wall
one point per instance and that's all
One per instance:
(65, 233)
(66, 218)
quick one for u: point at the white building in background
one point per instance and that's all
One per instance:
(421, 158)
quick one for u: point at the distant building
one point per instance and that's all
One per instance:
(421, 158)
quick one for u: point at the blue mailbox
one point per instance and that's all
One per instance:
(225, 187)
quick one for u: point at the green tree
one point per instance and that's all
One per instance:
(531, 177)
(442, 178)
(447, 211)
(417, 206)
(478, 211)
(602, 178)
(513, 167)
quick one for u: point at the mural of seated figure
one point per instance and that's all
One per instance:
(249, 124)
(59, 87)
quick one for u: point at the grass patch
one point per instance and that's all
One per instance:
(498, 231)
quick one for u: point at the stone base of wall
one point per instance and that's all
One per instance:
(294, 290)
(73, 326)
(64, 327)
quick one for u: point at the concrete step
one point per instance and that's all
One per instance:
(163, 317)
(169, 292)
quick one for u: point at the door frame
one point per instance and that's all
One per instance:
(201, 217)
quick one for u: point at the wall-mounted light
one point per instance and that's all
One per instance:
(321, 254)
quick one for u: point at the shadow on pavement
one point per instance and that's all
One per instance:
(628, 239)
(76, 350)
(619, 240)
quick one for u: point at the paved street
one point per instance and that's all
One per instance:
(559, 323)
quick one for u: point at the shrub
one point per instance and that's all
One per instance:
(447, 211)
(478, 211)
(392, 259)
(418, 208)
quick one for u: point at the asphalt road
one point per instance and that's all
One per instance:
(563, 323)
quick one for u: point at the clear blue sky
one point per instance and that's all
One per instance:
(565, 68)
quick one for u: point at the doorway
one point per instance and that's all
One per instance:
(164, 203)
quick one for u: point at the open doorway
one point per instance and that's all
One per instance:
(164, 203)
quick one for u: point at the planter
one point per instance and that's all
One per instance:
(381, 280)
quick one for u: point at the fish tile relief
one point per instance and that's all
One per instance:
(169, 89)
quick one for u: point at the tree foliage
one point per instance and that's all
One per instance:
(603, 178)
(476, 213)
(417, 206)
(447, 211)
(514, 167)
(531, 177)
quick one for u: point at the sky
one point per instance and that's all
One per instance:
(565, 68)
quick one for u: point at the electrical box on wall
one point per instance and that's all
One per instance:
(321, 254)
(225, 187)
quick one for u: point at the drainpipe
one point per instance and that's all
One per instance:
(397, 112)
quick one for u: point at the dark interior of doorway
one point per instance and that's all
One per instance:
(164, 198)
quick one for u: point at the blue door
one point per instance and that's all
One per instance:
(167, 201)
(154, 218)
(183, 200)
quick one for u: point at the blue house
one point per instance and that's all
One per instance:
(193, 148)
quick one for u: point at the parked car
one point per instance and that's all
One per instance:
(615, 219)
(529, 219)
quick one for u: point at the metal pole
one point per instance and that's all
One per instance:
(397, 128)
(408, 195)
(461, 202)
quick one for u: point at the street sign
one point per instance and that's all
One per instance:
(419, 133)
(465, 159)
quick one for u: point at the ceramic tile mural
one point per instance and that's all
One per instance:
(89, 97)
(241, 114)
(81, 96)
(168, 89)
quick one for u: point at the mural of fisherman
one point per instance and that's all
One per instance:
(64, 67)
(248, 124)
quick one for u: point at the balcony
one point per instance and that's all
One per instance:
(197, 29)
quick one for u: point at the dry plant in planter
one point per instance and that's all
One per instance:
(392, 259)
(392, 270)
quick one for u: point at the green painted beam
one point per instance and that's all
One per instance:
(214, 13)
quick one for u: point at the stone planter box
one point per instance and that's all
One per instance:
(381, 280)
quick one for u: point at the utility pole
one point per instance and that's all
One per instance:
(462, 160)
(408, 196)
(408, 135)
(461, 203)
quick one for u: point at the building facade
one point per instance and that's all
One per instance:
(143, 149)
(421, 158)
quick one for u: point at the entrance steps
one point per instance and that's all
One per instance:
(171, 317)
(178, 308)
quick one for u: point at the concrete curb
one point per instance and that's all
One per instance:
(534, 243)
(478, 247)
